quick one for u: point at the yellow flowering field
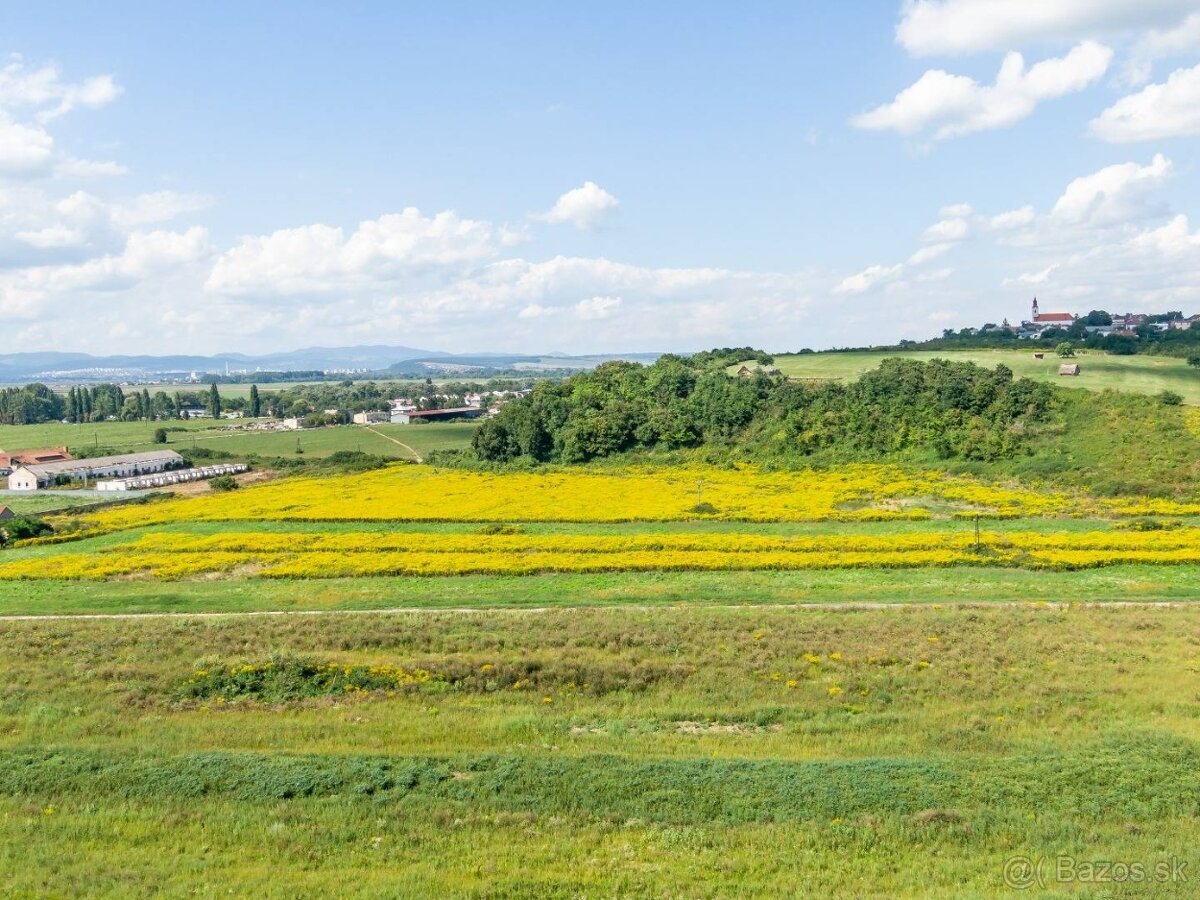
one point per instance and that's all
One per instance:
(851, 494)
(309, 555)
(260, 543)
(423, 494)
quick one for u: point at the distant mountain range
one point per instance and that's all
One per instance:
(55, 366)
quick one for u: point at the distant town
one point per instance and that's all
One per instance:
(1168, 333)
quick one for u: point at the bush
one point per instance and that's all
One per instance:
(195, 453)
(1145, 524)
(160, 435)
(1170, 398)
(223, 483)
(351, 462)
(501, 529)
(21, 528)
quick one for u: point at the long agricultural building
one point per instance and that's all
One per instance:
(175, 476)
(45, 475)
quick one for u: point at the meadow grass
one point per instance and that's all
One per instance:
(91, 434)
(659, 752)
(616, 589)
(27, 503)
(380, 440)
(204, 433)
(1099, 371)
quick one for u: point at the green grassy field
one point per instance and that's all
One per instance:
(872, 731)
(42, 501)
(381, 440)
(137, 436)
(101, 434)
(1136, 374)
(669, 752)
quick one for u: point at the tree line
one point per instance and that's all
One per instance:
(36, 403)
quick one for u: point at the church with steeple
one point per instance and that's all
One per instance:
(1051, 319)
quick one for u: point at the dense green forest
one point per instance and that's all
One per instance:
(955, 410)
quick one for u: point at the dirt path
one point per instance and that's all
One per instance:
(834, 606)
(386, 437)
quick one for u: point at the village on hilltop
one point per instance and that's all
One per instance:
(1042, 325)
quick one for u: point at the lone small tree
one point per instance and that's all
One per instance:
(160, 435)
(255, 409)
(1066, 350)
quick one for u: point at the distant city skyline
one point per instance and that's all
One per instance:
(626, 177)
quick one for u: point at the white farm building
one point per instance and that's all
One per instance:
(176, 476)
(126, 465)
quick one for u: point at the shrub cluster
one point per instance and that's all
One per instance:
(286, 679)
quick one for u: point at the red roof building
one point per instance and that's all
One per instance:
(33, 457)
(1053, 318)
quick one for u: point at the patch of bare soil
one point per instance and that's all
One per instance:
(191, 488)
(723, 728)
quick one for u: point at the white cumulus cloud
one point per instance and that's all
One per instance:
(932, 251)
(867, 279)
(946, 230)
(1115, 193)
(954, 105)
(159, 206)
(1169, 109)
(43, 90)
(317, 258)
(584, 207)
(597, 307)
(1013, 218)
(25, 149)
(1162, 43)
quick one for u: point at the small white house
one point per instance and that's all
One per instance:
(22, 479)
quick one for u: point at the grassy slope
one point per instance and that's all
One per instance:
(1028, 731)
(1136, 374)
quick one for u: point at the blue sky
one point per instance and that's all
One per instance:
(621, 177)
